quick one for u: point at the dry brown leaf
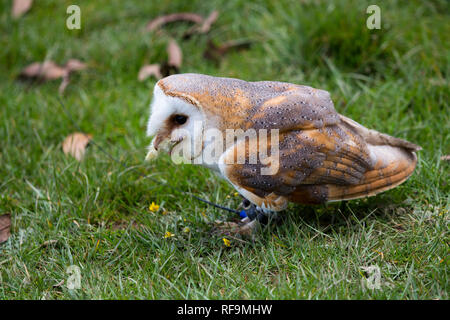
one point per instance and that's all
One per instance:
(175, 54)
(20, 7)
(75, 65)
(48, 243)
(64, 83)
(206, 26)
(48, 70)
(5, 226)
(445, 158)
(150, 70)
(44, 71)
(75, 144)
(182, 16)
(175, 58)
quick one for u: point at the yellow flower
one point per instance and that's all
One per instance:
(153, 207)
(186, 230)
(226, 242)
(236, 194)
(168, 234)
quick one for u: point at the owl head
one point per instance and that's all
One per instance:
(185, 105)
(175, 119)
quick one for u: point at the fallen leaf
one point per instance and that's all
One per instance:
(64, 83)
(150, 70)
(44, 71)
(75, 144)
(20, 7)
(445, 158)
(175, 54)
(5, 226)
(75, 65)
(48, 242)
(175, 58)
(49, 70)
(204, 27)
(215, 53)
(207, 23)
(182, 16)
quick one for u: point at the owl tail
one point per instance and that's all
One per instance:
(394, 161)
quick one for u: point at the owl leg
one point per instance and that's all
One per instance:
(255, 213)
(256, 217)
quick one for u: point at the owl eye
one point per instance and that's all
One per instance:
(179, 119)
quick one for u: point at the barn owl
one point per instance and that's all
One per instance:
(322, 156)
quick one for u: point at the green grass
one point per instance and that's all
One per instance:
(393, 80)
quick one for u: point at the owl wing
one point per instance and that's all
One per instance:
(309, 160)
(322, 157)
(290, 107)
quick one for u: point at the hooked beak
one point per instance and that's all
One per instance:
(154, 146)
(152, 152)
(160, 142)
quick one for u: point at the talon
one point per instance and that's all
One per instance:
(246, 204)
